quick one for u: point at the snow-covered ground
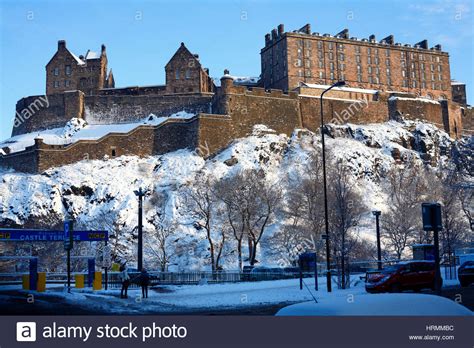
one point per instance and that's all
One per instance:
(379, 305)
(247, 295)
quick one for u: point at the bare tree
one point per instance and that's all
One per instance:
(203, 203)
(401, 222)
(345, 210)
(164, 227)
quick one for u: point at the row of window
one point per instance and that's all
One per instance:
(57, 84)
(67, 70)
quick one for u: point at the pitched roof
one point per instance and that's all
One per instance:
(184, 49)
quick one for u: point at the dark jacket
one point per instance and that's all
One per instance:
(144, 278)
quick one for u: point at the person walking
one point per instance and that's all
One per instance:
(125, 279)
(144, 282)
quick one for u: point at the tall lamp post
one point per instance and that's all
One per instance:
(326, 218)
(379, 250)
(140, 194)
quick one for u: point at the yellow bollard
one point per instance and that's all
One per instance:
(41, 283)
(97, 283)
(80, 281)
(26, 282)
(115, 267)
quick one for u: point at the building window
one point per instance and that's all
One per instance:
(433, 86)
(321, 75)
(440, 77)
(423, 84)
(389, 81)
(414, 84)
(320, 54)
(377, 60)
(330, 45)
(432, 77)
(359, 78)
(67, 83)
(387, 53)
(308, 73)
(341, 56)
(388, 71)
(331, 55)
(369, 60)
(439, 68)
(370, 69)
(299, 62)
(437, 59)
(114, 152)
(377, 70)
(432, 67)
(188, 74)
(404, 63)
(56, 84)
(404, 73)
(307, 63)
(357, 48)
(56, 71)
(332, 76)
(300, 73)
(405, 83)
(387, 62)
(68, 70)
(368, 50)
(371, 80)
(377, 80)
(422, 66)
(332, 66)
(176, 74)
(421, 57)
(359, 69)
(321, 64)
(320, 44)
(358, 59)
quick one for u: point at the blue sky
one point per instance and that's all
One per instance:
(141, 36)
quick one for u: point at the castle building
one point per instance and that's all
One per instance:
(68, 72)
(290, 58)
(385, 81)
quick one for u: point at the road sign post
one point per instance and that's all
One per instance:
(68, 244)
(431, 213)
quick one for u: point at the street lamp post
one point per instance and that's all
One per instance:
(326, 218)
(140, 194)
(377, 226)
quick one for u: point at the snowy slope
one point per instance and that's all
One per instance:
(90, 190)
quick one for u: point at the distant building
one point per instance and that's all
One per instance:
(290, 58)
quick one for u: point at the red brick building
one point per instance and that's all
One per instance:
(289, 58)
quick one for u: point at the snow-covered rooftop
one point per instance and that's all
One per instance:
(92, 55)
(78, 129)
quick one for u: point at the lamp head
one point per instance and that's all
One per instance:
(340, 84)
(376, 212)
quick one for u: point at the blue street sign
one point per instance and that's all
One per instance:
(14, 235)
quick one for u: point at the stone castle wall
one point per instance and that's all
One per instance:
(41, 112)
(229, 114)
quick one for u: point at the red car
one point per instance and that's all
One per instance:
(413, 275)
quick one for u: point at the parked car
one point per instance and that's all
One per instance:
(413, 275)
(466, 273)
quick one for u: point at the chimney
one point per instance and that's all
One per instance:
(61, 44)
(267, 39)
(372, 38)
(281, 29)
(102, 49)
(389, 40)
(274, 34)
(306, 29)
(438, 47)
(423, 44)
(344, 34)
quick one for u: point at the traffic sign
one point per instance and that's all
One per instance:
(16, 235)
